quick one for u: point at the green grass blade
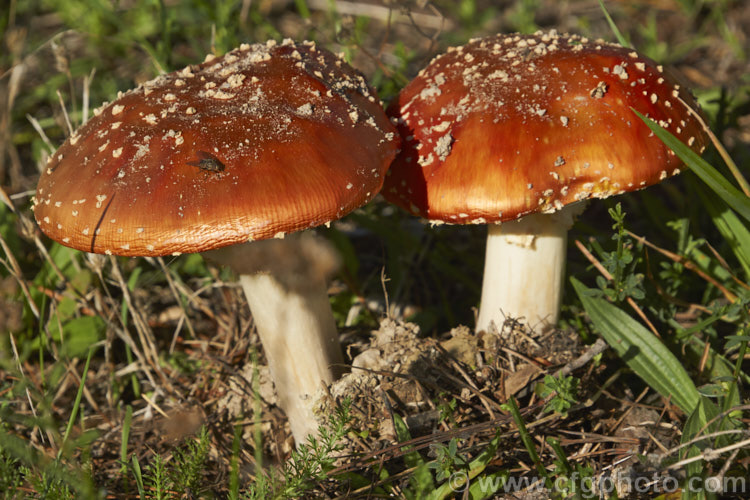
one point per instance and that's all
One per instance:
(643, 352)
(234, 471)
(708, 264)
(76, 404)
(135, 466)
(422, 478)
(562, 460)
(526, 438)
(707, 173)
(303, 9)
(125, 437)
(620, 38)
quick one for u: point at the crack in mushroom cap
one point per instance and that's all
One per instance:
(513, 124)
(266, 140)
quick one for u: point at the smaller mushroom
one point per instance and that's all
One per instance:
(241, 148)
(522, 130)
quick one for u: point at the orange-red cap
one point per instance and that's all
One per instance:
(268, 139)
(513, 124)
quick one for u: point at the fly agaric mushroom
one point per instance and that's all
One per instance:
(266, 140)
(516, 129)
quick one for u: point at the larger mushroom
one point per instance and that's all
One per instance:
(520, 130)
(267, 140)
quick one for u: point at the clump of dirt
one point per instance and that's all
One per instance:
(550, 347)
(463, 346)
(395, 371)
(415, 377)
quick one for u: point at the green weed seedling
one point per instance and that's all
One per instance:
(562, 392)
(180, 476)
(308, 465)
(620, 263)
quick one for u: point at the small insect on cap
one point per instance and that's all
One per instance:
(242, 147)
(513, 124)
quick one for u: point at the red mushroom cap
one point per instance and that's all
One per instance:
(267, 139)
(513, 124)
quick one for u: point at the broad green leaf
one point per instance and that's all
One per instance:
(696, 423)
(78, 334)
(643, 352)
(707, 173)
(66, 308)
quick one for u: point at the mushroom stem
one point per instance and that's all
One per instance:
(284, 281)
(524, 269)
(298, 333)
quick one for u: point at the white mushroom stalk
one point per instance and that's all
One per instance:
(285, 285)
(299, 337)
(524, 269)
